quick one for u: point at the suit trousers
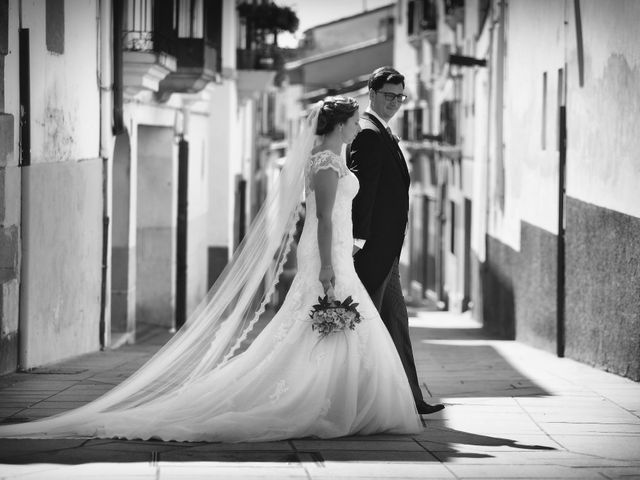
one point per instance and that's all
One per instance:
(389, 301)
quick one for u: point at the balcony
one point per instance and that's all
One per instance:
(144, 66)
(257, 69)
(454, 12)
(197, 62)
(252, 59)
(422, 21)
(253, 82)
(190, 31)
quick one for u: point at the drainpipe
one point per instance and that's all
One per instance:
(182, 223)
(24, 125)
(118, 15)
(106, 149)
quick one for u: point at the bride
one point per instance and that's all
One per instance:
(207, 385)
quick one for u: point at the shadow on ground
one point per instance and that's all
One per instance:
(453, 348)
(377, 448)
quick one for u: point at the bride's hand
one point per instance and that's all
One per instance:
(328, 280)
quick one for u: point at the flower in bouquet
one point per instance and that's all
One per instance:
(329, 316)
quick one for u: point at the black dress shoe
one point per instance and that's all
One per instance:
(424, 408)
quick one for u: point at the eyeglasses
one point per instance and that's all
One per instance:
(389, 97)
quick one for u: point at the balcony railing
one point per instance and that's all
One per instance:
(188, 32)
(137, 41)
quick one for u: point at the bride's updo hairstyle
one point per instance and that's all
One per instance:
(335, 110)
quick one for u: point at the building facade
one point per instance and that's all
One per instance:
(517, 130)
(336, 58)
(437, 244)
(128, 134)
(558, 264)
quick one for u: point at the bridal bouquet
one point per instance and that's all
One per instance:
(333, 316)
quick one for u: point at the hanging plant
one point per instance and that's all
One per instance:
(269, 17)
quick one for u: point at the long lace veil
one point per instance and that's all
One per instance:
(216, 329)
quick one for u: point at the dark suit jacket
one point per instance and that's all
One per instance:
(380, 209)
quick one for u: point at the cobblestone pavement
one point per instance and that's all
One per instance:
(513, 412)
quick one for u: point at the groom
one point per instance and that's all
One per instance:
(380, 214)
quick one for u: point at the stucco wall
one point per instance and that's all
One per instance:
(224, 139)
(62, 232)
(603, 140)
(356, 29)
(523, 179)
(347, 66)
(156, 217)
(200, 154)
(9, 197)
(535, 45)
(603, 174)
(603, 305)
(62, 200)
(65, 104)
(597, 50)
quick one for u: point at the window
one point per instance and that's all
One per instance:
(421, 15)
(189, 19)
(411, 10)
(139, 14)
(405, 125)
(429, 17)
(138, 26)
(448, 121)
(385, 29)
(55, 26)
(418, 123)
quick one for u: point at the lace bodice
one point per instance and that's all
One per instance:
(342, 240)
(323, 160)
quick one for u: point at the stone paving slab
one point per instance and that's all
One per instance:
(513, 412)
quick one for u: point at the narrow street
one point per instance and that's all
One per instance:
(512, 412)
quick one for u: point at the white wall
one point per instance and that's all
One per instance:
(63, 194)
(156, 219)
(62, 252)
(480, 152)
(224, 140)
(603, 144)
(603, 155)
(201, 151)
(535, 42)
(229, 14)
(357, 29)
(65, 104)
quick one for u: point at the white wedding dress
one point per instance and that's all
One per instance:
(290, 383)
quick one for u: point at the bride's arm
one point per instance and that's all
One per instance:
(325, 185)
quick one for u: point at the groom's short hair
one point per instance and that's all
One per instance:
(383, 75)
